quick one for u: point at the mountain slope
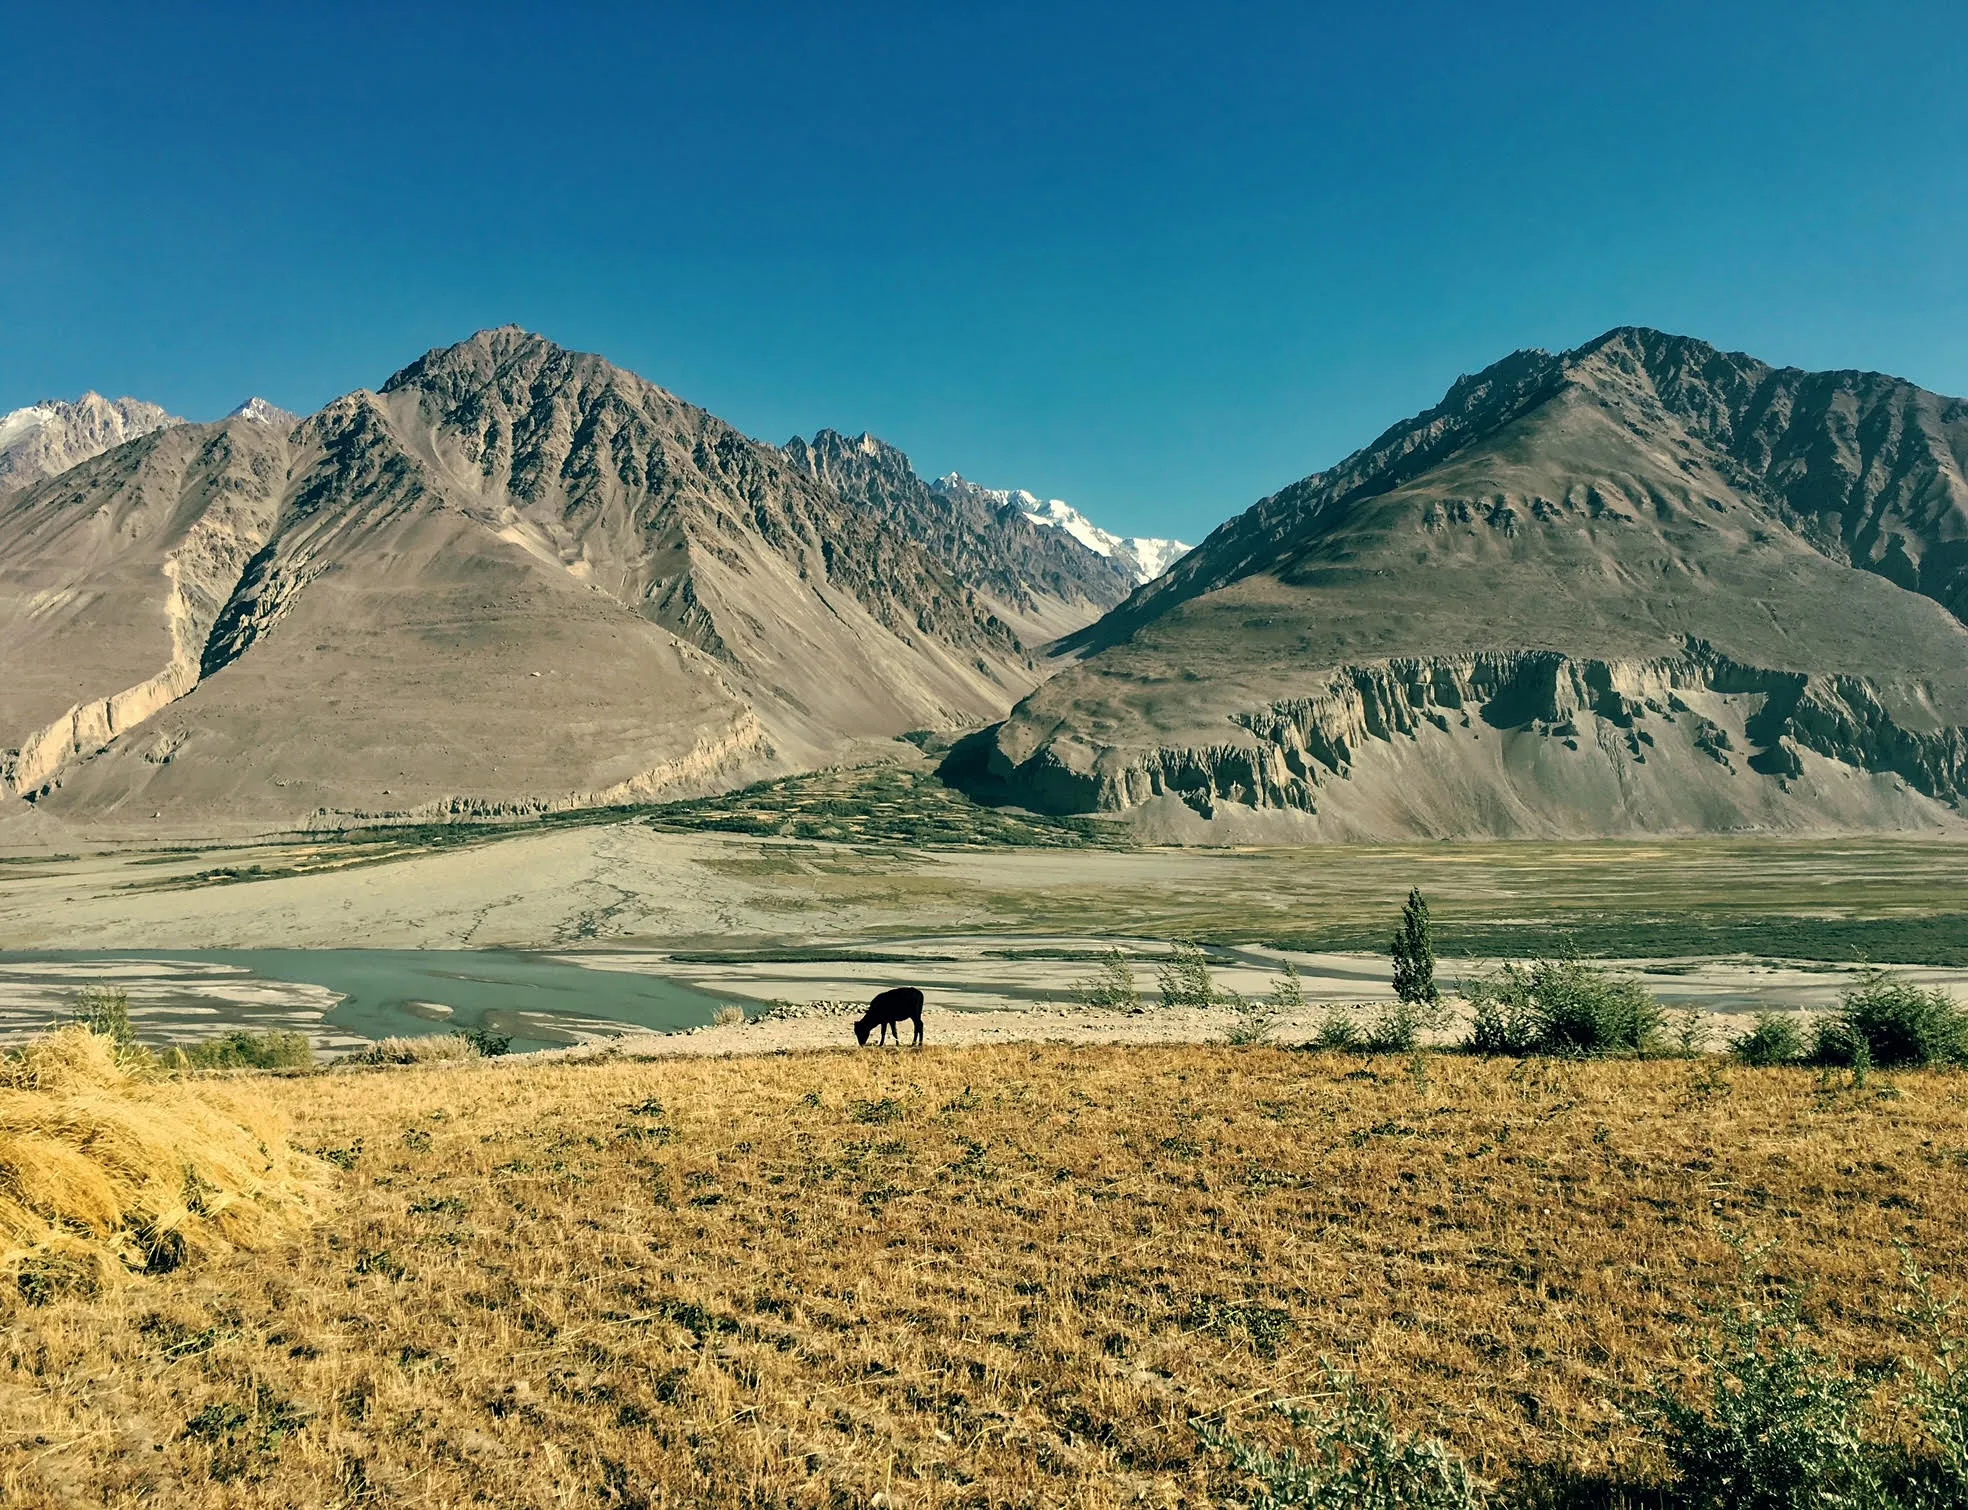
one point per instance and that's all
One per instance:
(1644, 586)
(1044, 584)
(1143, 558)
(516, 576)
(48, 438)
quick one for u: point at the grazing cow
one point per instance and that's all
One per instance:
(890, 1010)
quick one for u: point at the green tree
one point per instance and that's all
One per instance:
(1414, 956)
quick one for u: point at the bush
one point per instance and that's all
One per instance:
(729, 1016)
(1338, 1033)
(1691, 1032)
(1352, 1458)
(242, 1050)
(1563, 1006)
(106, 1010)
(489, 1045)
(1396, 1028)
(1112, 989)
(1939, 1395)
(1257, 1018)
(1780, 1427)
(1886, 1020)
(1774, 1038)
(1184, 978)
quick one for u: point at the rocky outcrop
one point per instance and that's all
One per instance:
(1290, 754)
(703, 768)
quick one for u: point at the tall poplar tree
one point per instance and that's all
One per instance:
(1414, 955)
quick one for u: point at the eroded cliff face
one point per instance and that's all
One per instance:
(1578, 732)
(215, 500)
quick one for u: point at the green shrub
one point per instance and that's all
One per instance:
(1112, 988)
(1563, 1006)
(106, 1010)
(1396, 1028)
(1501, 1021)
(1774, 1038)
(1779, 1426)
(489, 1045)
(1939, 1397)
(1184, 978)
(1350, 1457)
(1257, 1018)
(1339, 1032)
(1690, 1032)
(1887, 1021)
(1288, 996)
(243, 1050)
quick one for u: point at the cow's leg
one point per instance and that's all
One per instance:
(918, 1020)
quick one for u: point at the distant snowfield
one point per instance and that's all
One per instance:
(1147, 557)
(23, 422)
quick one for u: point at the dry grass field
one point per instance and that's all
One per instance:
(1004, 1276)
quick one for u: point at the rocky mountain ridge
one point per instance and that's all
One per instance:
(46, 439)
(1044, 583)
(1646, 511)
(512, 577)
(1143, 558)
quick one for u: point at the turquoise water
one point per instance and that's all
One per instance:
(539, 1000)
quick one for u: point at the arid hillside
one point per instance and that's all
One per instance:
(515, 577)
(1644, 586)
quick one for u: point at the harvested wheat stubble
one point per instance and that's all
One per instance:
(1004, 1275)
(106, 1168)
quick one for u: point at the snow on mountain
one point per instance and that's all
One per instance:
(1144, 556)
(48, 438)
(260, 412)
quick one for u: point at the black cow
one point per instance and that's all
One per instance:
(890, 1010)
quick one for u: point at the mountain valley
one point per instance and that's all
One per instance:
(1641, 587)
(512, 579)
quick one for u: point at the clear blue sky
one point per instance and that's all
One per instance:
(1158, 261)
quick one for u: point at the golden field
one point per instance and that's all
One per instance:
(1006, 1275)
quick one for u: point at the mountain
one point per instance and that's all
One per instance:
(1141, 557)
(261, 412)
(50, 437)
(514, 577)
(1641, 587)
(1042, 583)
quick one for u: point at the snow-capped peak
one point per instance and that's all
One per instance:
(23, 422)
(48, 438)
(1144, 556)
(260, 412)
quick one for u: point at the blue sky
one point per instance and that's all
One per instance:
(1158, 261)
